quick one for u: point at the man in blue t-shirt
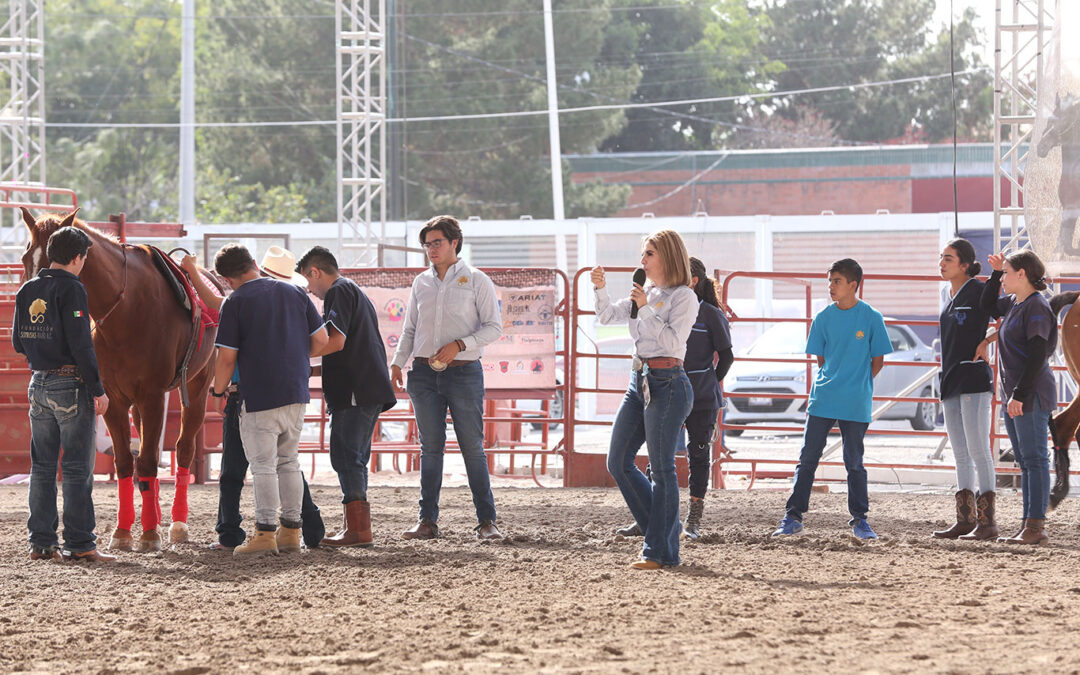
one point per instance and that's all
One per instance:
(270, 329)
(850, 342)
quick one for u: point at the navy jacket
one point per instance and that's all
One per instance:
(52, 326)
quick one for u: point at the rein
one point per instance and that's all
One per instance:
(123, 290)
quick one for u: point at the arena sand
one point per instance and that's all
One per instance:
(557, 595)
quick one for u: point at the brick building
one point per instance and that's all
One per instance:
(847, 180)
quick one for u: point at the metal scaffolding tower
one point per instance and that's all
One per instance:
(22, 109)
(361, 128)
(1022, 34)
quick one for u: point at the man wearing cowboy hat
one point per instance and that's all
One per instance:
(453, 312)
(234, 464)
(269, 329)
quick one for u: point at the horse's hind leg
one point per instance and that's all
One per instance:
(152, 417)
(116, 419)
(1064, 425)
(191, 422)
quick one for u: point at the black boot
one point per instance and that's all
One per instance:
(693, 519)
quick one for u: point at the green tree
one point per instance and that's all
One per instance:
(686, 51)
(266, 61)
(113, 61)
(829, 42)
(475, 60)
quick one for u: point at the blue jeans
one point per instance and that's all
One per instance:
(234, 466)
(351, 430)
(461, 390)
(61, 416)
(815, 435)
(1028, 435)
(654, 504)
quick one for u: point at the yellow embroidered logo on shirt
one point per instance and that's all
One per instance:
(659, 304)
(859, 335)
(37, 311)
(462, 281)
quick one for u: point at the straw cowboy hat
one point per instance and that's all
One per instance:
(279, 263)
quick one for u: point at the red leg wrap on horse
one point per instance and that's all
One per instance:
(151, 508)
(126, 516)
(180, 502)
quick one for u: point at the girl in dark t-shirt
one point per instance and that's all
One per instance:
(966, 393)
(1026, 339)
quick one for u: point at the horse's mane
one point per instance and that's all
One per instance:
(52, 221)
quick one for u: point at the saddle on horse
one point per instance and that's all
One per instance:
(202, 317)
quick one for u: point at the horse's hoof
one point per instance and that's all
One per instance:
(121, 540)
(178, 533)
(150, 542)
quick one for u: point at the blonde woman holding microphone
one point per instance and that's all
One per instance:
(660, 311)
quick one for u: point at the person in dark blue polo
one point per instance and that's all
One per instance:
(52, 329)
(356, 386)
(234, 464)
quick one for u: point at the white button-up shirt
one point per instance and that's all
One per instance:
(462, 306)
(662, 326)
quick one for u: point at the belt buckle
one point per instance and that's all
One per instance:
(637, 364)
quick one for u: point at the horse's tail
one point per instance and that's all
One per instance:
(1059, 301)
(1061, 481)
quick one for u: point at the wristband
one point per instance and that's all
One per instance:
(460, 344)
(221, 395)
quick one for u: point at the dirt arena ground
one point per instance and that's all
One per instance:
(557, 596)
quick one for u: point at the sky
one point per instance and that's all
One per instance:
(985, 22)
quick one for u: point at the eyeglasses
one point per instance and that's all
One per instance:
(434, 243)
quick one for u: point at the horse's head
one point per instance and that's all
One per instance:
(34, 258)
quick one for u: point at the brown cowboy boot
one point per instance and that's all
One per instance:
(986, 528)
(1005, 540)
(357, 530)
(1033, 533)
(965, 516)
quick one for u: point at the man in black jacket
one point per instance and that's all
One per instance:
(356, 386)
(52, 329)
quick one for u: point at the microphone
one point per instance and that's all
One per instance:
(639, 278)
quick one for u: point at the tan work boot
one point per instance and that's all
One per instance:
(357, 528)
(263, 541)
(987, 528)
(288, 539)
(965, 517)
(1004, 540)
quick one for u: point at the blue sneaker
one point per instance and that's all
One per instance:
(862, 530)
(788, 527)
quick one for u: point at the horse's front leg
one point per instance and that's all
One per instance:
(152, 417)
(116, 420)
(191, 422)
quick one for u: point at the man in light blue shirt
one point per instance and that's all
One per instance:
(850, 342)
(453, 312)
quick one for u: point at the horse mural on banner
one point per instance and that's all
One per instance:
(144, 341)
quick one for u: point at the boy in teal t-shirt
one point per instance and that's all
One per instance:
(850, 342)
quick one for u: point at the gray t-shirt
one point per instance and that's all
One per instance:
(1022, 322)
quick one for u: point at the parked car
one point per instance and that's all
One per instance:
(749, 383)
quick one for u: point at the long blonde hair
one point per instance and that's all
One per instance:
(672, 251)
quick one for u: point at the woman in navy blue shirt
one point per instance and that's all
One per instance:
(966, 393)
(1027, 338)
(709, 343)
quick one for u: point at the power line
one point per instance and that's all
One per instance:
(528, 113)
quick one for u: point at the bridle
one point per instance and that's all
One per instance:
(120, 298)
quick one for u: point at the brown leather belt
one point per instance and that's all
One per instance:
(662, 362)
(66, 371)
(453, 364)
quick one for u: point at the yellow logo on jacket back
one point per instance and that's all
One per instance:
(37, 311)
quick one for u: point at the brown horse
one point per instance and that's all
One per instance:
(141, 336)
(1065, 425)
